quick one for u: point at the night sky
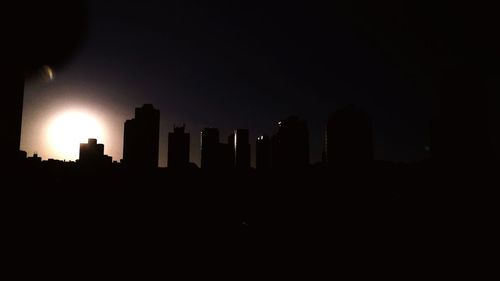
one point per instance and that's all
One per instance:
(233, 65)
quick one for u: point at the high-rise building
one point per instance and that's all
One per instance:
(11, 115)
(225, 154)
(348, 137)
(210, 148)
(241, 149)
(263, 153)
(92, 154)
(178, 148)
(228, 152)
(141, 138)
(290, 145)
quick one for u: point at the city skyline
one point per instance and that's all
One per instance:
(269, 133)
(225, 64)
(33, 137)
(218, 69)
(288, 145)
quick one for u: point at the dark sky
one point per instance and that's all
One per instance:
(239, 65)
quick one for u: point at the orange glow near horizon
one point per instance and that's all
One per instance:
(66, 130)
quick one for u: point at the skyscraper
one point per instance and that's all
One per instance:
(231, 150)
(225, 154)
(348, 137)
(210, 148)
(178, 148)
(263, 153)
(11, 115)
(141, 138)
(290, 145)
(241, 149)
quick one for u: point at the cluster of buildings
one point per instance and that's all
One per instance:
(141, 143)
(348, 140)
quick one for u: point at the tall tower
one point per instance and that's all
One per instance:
(141, 138)
(290, 145)
(210, 148)
(11, 115)
(241, 149)
(178, 148)
(263, 153)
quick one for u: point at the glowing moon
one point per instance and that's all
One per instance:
(67, 130)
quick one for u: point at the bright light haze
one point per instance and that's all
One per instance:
(228, 65)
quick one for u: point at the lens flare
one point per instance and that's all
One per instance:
(47, 73)
(67, 130)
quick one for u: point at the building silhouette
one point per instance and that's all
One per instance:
(348, 137)
(35, 159)
(290, 145)
(11, 115)
(210, 147)
(141, 138)
(178, 148)
(226, 154)
(22, 155)
(263, 153)
(217, 155)
(92, 154)
(241, 149)
(229, 151)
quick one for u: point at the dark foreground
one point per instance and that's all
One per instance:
(381, 219)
